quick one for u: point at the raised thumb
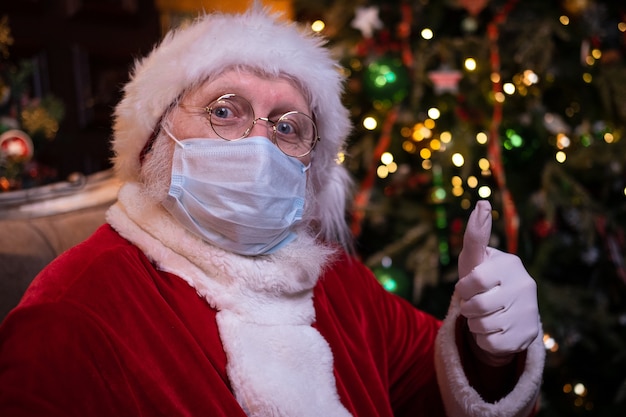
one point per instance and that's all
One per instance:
(476, 238)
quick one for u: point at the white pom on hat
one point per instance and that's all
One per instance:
(255, 39)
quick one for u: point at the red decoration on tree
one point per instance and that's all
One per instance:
(16, 146)
(445, 80)
(474, 7)
(511, 219)
(542, 228)
(404, 33)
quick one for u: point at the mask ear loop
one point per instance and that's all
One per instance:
(168, 133)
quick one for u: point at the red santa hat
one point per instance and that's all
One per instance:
(254, 39)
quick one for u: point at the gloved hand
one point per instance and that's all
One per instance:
(498, 297)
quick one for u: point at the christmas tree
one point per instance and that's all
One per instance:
(521, 103)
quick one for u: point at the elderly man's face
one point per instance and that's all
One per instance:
(270, 98)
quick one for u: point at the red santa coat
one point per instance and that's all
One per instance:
(102, 332)
(145, 319)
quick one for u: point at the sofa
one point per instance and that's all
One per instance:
(38, 224)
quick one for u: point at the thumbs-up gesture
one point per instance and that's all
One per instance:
(498, 297)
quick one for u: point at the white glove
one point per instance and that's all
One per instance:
(498, 297)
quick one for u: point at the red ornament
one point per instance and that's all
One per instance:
(474, 7)
(542, 228)
(16, 145)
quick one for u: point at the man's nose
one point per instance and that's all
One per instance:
(262, 127)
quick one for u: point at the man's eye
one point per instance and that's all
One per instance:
(285, 128)
(223, 112)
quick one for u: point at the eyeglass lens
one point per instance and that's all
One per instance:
(232, 117)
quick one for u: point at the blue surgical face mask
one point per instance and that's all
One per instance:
(243, 196)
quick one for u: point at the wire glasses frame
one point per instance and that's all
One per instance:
(232, 118)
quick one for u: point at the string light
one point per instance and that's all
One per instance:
(549, 343)
(427, 34)
(458, 160)
(483, 164)
(457, 186)
(530, 78)
(418, 135)
(356, 64)
(470, 64)
(388, 165)
(434, 113)
(513, 140)
(484, 191)
(481, 138)
(562, 141)
(509, 88)
(560, 157)
(370, 123)
(564, 20)
(438, 195)
(422, 132)
(580, 389)
(445, 137)
(409, 146)
(435, 145)
(318, 26)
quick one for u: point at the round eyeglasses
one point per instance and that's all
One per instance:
(232, 118)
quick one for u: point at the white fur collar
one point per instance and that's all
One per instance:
(278, 364)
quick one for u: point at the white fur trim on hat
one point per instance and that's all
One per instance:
(258, 40)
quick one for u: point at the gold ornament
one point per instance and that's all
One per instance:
(37, 119)
(575, 7)
(6, 39)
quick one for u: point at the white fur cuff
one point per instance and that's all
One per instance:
(460, 399)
